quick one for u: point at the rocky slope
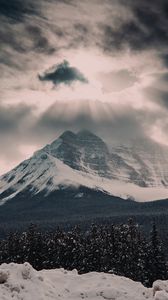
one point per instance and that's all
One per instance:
(83, 159)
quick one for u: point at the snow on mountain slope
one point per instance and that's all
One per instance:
(148, 161)
(84, 159)
(23, 282)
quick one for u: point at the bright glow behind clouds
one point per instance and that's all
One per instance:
(92, 63)
(121, 70)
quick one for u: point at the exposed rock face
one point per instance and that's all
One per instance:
(84, 159)
(83, 151)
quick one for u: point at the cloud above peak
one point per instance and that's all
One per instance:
(63, 73)
(116, 55)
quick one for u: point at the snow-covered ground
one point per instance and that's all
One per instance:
(22, 282)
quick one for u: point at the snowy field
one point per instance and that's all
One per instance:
(22, 282)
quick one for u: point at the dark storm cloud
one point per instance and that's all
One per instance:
(82, 28)
(163, 77)
(63, 73)
(15, 10)
(30, 38)
(21, 32)
(40, 41)
(164, 58)
(12, 40)
(147, 27)
(31, 31)
(164, 98)
(12, 116)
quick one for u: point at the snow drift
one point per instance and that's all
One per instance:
(22, 282)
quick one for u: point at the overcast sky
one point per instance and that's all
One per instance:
(70, 64)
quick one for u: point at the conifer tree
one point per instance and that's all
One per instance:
(156, 264)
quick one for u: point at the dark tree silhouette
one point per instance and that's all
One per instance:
(156, 264)
(119, 249)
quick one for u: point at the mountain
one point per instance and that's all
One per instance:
(80, 172)
(84, 159)
(145, 161)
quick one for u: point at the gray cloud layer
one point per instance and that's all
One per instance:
(39, 29)
(146, 28)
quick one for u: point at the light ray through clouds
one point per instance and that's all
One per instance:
(116, 71)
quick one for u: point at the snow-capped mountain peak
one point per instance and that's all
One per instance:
(83, 151)
(83, 159)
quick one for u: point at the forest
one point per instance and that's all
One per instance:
(121, 249)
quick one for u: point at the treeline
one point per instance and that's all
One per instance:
(119, 249)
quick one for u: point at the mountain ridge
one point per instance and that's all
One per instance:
(84, 159)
